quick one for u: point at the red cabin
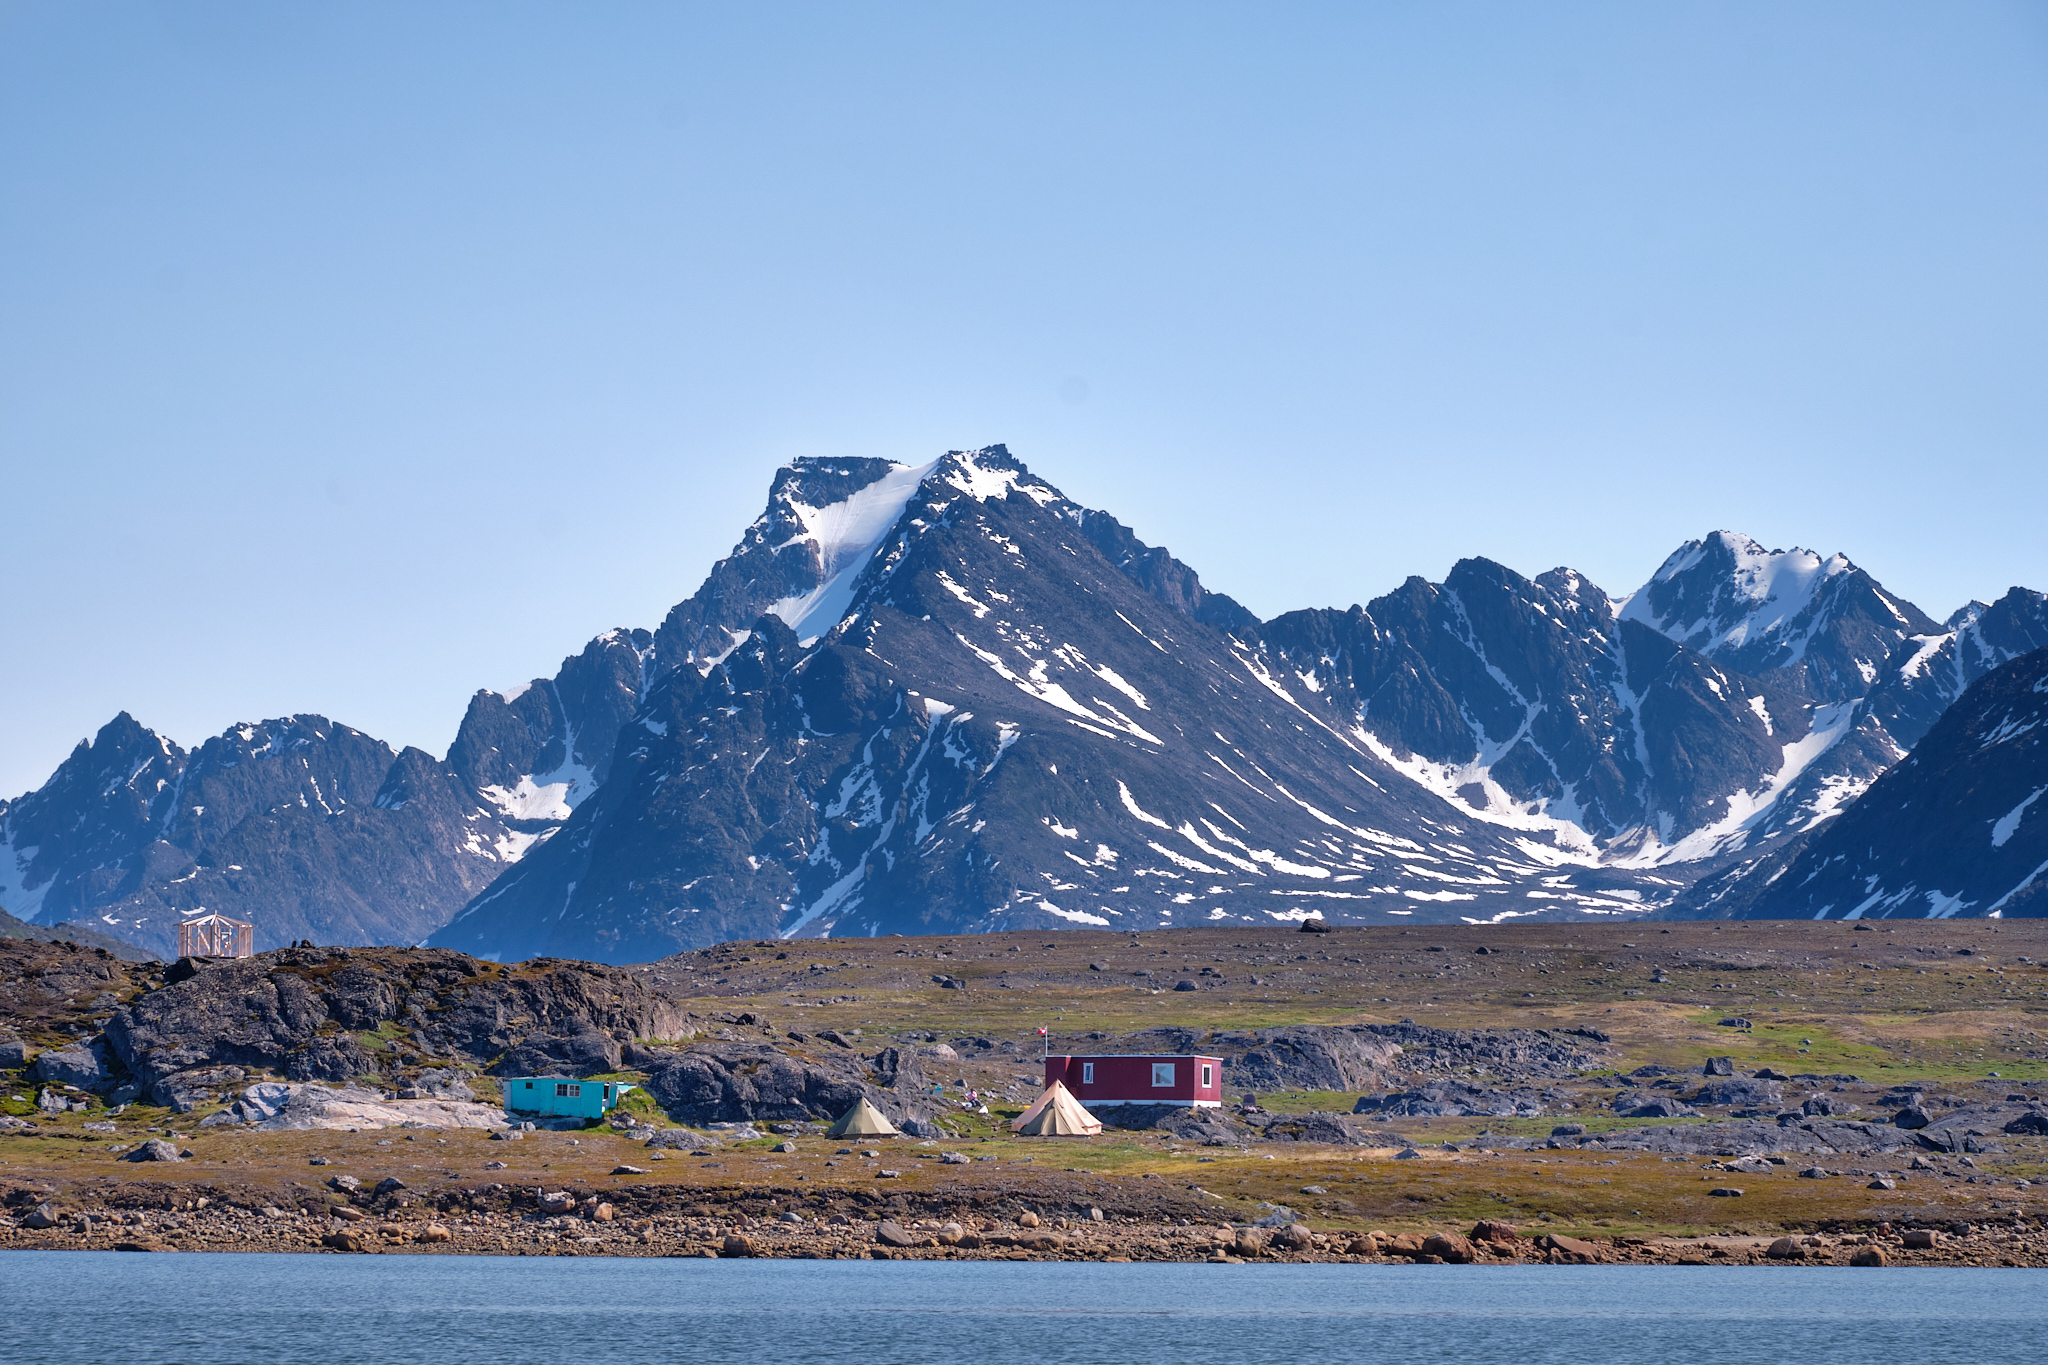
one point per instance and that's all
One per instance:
(1196, 1082)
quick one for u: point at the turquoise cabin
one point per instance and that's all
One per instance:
(569, 1098)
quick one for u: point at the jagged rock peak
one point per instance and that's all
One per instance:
(1820, 626)
(1727, 590)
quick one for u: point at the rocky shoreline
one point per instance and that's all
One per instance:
(598, 1228)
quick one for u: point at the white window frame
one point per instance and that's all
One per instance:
(1162, 1075)
(1087, 1073)
(1207, 1076)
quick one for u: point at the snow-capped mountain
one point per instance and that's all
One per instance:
(1527, 703)
(994, 725)
(305, 827)
(943, 695)
(1959, 827)
(1822, 628)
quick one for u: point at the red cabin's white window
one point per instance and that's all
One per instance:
(1207, 1076)
(1087, 1073)
(1162, 1074)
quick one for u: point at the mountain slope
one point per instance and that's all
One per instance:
(1526, 702)
(1005, 728)
(306, 828)
(1959, 827)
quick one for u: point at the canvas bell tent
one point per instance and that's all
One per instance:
(863, 1120)
(1056, 1113)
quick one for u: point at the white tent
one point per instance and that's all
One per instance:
(863, 1120)
(1056, 1113)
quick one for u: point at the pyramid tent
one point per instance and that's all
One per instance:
(1056, 1113)
(863, 1120)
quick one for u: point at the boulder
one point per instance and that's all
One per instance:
(1919, 1239)
(1786, 1249)
(40, 1217)
(955, 1159)
(1493, 1231)
(1743, 1092)
(183, 1091)
(156, 1149)
(1563, 1250)
(1869, 1256)
(346, 1184)
(736, 1246)
(2033, 1123)
(1295, 1237)
(1720, 1066)
(1368, 1244)
(1448, 1246)
(14, 1054)
(746, 1083)
(390, 1184)
(1816, 1105)
(434, 1232)
(85, 1065)
(623, 1169)
(682, 1139)
(1406, 1244)
(1725, 1192)
(950, 1235)
(557, 1202)
(1911, 1117)
(1251, 1242)
(892, 1234)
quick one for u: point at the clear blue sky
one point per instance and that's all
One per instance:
(356, 356)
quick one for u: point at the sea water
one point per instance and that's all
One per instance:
(196, 1309)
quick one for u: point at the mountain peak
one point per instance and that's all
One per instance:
(1818, 624)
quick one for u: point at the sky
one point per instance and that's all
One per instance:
(354, 357)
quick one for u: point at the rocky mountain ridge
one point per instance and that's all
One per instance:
(804, 737)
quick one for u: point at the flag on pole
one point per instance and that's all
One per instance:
(1042, 1032)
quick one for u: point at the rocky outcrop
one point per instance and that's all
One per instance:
(340, 1014)
(738, 1082)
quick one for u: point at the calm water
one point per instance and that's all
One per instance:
(187, 1309)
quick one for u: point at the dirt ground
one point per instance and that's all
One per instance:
(1953, 1005)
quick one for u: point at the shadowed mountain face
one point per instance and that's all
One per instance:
(944, 696)
(1005, 728)
(302, 826)
(1959, 827)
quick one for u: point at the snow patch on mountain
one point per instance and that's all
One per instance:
(1766, 592)
(846, 535)
(17, 898)
(1747, 810)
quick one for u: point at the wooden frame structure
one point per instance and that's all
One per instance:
(216, 936)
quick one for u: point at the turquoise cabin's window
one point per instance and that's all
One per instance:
(568, 1092)
(529, 1085)
(607, 1092)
